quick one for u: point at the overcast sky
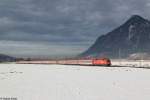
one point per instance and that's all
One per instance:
(61, 27)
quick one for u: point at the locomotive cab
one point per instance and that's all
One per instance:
(101, 62)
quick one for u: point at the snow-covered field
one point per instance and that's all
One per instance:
(133, 63)
(62, 82)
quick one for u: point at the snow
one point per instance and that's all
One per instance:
(131, 31)
(132, 63)
(62, 82)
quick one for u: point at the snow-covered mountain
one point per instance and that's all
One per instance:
(131, 37)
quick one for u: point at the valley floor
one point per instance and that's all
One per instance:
(62, 82)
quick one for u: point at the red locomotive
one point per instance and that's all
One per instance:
(101, 61)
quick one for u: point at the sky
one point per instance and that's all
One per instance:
(46, 28)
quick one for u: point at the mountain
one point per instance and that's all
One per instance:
(5, 58)
(131, 37)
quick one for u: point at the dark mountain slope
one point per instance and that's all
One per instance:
(131, 37)
(5, 58)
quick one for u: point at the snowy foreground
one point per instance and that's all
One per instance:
(62, 82)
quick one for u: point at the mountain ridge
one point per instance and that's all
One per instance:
(6, 58)
(130, 37)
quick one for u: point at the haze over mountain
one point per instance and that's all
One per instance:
(131, 37)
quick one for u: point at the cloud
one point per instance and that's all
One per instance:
(64, 23)
(34, 49)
